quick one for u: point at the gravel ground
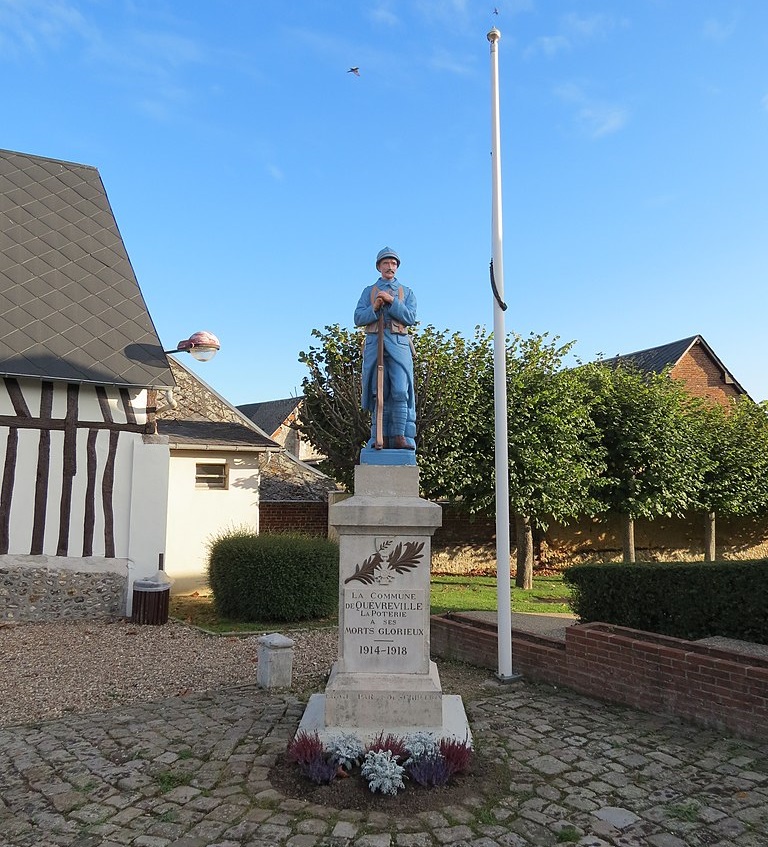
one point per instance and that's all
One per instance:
(51, 669)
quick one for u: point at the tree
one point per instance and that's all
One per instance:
(555, 457)
(647, 432)
(554, 449)
(553, 445)
(733, 447)
(333, 418)
(448, 373)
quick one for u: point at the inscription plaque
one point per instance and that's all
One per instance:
(385, 630)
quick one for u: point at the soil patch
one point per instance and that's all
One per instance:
(479, 786)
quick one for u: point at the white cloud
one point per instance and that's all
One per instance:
(444, 61)
(174, 50)
(549, 45)
(571, 92)
(383, 14)
(594, 117)
(275, 172)
(435, 8)
(716, 30)
(35, 26)
(594, 26)
(145, 60)
(601, 119)
(574, 31)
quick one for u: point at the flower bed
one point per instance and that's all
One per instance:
(386, 763)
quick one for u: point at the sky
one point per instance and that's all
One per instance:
(254, 178)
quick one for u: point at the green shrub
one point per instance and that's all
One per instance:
(683, 599)
(273, 577)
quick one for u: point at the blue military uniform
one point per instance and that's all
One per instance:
(399, 396)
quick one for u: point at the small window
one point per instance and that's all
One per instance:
(210, 475)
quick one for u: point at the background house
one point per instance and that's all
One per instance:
(226, 472)
(465, 543)
(84, 478)
(691, 361)
(94, 429)
(280, 419)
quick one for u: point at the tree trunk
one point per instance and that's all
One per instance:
(524, 533)
(628, 538)
(709, 537)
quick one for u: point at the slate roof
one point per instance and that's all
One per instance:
(70, 304)
(270, 414)
(203, 418)
(656, 359)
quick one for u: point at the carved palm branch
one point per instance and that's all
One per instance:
(403, 560)
(366, 573)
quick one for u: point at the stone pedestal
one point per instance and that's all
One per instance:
(384, 680)
(275, 667)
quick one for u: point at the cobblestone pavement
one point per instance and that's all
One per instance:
(194, 772)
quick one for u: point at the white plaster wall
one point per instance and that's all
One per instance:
(140, 493)
(145, 519)
(196, 514)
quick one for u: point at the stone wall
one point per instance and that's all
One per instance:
(466, 544)
(50, 593)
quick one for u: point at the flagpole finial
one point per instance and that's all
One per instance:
(494, 35)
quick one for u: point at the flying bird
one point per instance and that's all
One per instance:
(355, 71)
(495, 11)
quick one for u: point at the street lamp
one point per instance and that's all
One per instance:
(203, 346)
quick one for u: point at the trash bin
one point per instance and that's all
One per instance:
(150, 600)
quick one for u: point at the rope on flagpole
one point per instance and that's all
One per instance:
(496, 295)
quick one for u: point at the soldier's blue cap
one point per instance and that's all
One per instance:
(387, 253)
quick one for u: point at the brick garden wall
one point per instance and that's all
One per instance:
(308, 516)
(710, 686)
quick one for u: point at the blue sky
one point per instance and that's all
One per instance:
(254, 179)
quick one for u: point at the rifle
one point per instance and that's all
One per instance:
(380, 385)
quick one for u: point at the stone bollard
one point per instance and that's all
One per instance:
(275, 665)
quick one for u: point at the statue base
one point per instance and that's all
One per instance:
(384, 680)
(372, 456)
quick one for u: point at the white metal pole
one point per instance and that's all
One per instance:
(503, 585)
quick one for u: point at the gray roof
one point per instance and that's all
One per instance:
(202, 417)
(657, 359)
(270, 414)
(209, 435)
(71, 308)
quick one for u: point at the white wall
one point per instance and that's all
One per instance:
(127, 517)
(196, 514)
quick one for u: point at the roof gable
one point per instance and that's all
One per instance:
(202, 416)
(655, 359)
(658, 359)
(270, 414)
(72, 308)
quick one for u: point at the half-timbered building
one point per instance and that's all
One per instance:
(83, 474)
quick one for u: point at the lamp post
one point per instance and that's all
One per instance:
(202, 346)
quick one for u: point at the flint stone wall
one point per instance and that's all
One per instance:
(62, 589)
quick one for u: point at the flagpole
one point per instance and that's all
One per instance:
(503, 583)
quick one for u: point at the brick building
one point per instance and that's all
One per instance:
(691, 361)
